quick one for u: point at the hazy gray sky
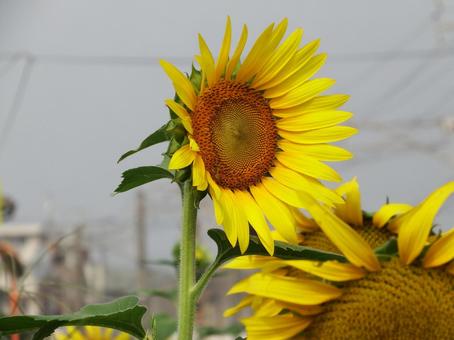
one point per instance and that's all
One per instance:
(86, 102)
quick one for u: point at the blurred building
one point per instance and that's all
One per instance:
(23, 243)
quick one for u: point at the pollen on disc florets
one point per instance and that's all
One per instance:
(236, 133)
(398, 302)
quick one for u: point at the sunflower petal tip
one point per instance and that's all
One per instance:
(270, 249)
(323, 56)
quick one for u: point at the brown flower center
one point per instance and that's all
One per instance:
(399, 302)
(235, 130)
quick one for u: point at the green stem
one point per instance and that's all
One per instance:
(203, 281)
(186, 304)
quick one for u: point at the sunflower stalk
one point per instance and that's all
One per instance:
(186, 302)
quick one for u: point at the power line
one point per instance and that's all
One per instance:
(9, 63)
(117, 60)
(374, 56)
(17, 101)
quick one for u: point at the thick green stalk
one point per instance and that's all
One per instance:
(186, 304)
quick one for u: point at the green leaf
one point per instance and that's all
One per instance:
(282, 250)
(368, 215)
(159, 136)
(123, 314)
(163, 326)
(387, 250)
(139, 176)
(199, 196)
(196, 78)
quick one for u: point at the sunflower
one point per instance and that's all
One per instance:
(403, 290)
(258, 131)
(89, 333)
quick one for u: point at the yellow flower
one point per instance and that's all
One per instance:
(258, 131)
(90, 333)
(407, 292)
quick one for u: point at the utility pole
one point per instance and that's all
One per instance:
(76, 258)
(141, 240)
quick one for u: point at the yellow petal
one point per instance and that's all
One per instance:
(182, 158)
(279, 327)
(321, 103)
(300, 182)
(225, 50)
(268, 307)
(256, 219)
(415, 225)
(258, 57)
(350, 211)
(308, 166)
(93, 332)
(248, 66)
(193, 144)
(329, 270)
(314, 120)
(302, 94)
(181, 83)
(297, 79)
(246, 301)
(300, 309)
(122, 336)
(249, 262)
(388, 211)
(242, 224)
(284, 193)
(204, 77)
(232, 63)
(181, 112)
(278, 34)
(230, 215)
(344, 237)
(441, 251)
(78, 336)
(218, 213)
(74, 334)
(207, 61)
(71, 329)
(198, 174)
(278, 59)
(276, 212)
(326, 135)
(285, 288)
(215, 189)
(107, 334)
(304, 223)
(234, 221)
(299, 60)
(324, 152)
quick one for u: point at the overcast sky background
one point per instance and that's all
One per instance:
(91, 89)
